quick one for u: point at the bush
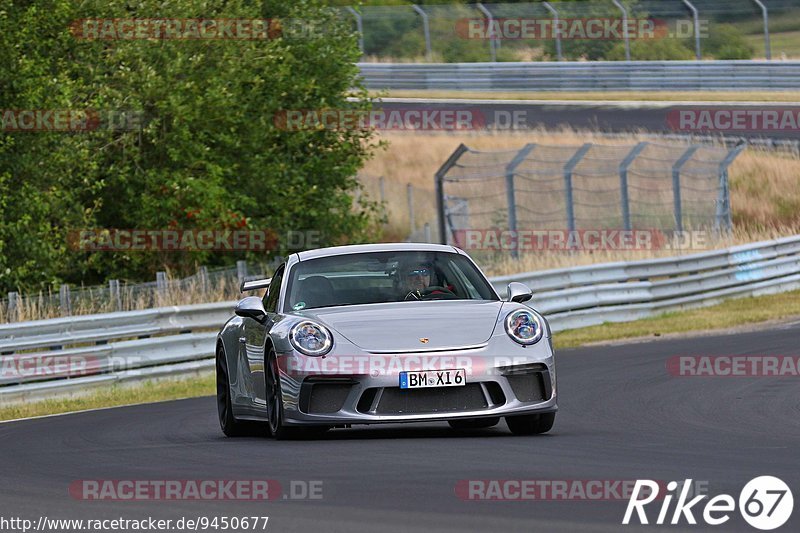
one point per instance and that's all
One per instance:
(726, 42)
(652, 50)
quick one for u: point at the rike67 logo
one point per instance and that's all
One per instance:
(765, 503)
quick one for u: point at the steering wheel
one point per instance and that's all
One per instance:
(428, 291)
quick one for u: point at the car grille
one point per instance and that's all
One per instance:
(527, 387)
(431, 400)
(320, 398)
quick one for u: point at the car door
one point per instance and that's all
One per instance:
(254, 335)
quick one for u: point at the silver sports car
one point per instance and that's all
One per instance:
(383, 333)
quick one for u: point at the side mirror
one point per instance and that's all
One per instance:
(251, 307)
(519, 292)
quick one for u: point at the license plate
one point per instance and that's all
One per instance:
(433, 378)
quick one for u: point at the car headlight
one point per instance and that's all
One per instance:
(525, 327)
(310, 338)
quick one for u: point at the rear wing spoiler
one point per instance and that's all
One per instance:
(254, 284)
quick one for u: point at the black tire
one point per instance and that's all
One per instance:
(531, 424)
(275, 406)
(474, 423)
(230, 426)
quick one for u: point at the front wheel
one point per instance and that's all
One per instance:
(531, 424)
(230, 426)
(275, 406)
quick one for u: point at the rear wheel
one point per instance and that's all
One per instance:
(531, 424)
(275, 406)
(474, 423)
(230, 426)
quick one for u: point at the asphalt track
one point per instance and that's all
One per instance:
(622, 417)
(600, 116)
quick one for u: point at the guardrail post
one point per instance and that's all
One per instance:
(623, 183)
(724, 200)
(676, 185)
(65, 302)
(511, 169)
(625, 35)
(765, 14)
(426, 28)
(13, 299)
(410, 196)
(696, 17)
(113, 295)
(359, 27)
(241, 270)
(492, 36)
(556, 30)
(568, 169)
(439, 184)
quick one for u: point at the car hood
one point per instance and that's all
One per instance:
(400, 326)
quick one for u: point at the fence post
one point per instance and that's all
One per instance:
(625, 35)
(161, 284)
(568, 169)
(113, 294)
(202, 273)
(410, 195)
(13, 298)
(382, 189)
(557, 31)
(696, 17)
(439, 184)
(427, 232)
(511, 169)
(359, 28)
(426, 30)
(765, 13)
(65, 302)
(623, 183)
(724, 200)
(492, 36)
(676, 186)
(241, 270)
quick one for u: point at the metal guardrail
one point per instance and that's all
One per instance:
(586, 76)
(97, 350)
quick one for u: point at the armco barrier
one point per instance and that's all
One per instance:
(176, 341)
(733, 75)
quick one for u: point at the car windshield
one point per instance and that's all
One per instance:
(380, 277)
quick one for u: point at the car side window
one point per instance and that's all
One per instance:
(271, 298)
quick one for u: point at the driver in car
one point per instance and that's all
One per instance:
(416, 283)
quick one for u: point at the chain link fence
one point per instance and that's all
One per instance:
(681, 29)
(589, 187)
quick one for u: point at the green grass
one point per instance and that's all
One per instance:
(147, 392)
(730, 314)
(787, 42)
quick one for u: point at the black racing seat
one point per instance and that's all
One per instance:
(317, 291)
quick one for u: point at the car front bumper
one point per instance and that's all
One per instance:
(364, 388)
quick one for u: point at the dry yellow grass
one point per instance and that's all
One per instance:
(765, 191)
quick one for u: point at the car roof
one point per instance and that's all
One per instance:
(383, 247)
